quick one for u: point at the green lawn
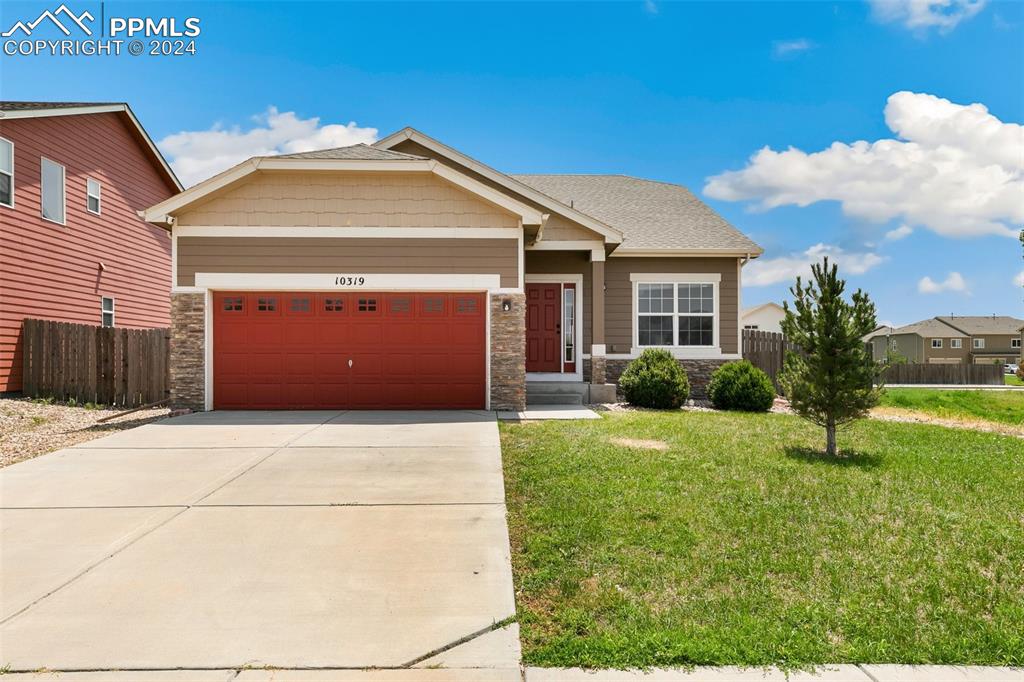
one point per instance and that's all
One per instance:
(1012, 380)
(1005, 407)
(739, 544)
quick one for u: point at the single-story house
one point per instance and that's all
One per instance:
(953, 339)
(766, 317)
(408, 275)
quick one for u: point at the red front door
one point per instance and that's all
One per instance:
(348, 350)
(543, 328)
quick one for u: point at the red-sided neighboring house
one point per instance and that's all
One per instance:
(73, 248)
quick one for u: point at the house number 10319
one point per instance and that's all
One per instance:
(343, 281)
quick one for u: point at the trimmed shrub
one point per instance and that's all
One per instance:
(741, 386)
(655, 379)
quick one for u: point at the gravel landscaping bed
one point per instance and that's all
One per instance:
(29, 428)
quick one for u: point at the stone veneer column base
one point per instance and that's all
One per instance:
(697, 371)
(598, 365)
(187, 351)
(508, 353)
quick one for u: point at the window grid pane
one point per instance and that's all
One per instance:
(6, 157)
(696, 330)
(52, 191)
(655, 330)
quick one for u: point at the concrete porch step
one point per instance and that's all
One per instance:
(554, 399)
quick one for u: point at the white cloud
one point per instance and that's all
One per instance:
(197, 155)
(650, 7)
(790, 48)
(922, 15)
(1019, 279)
(765, 271)
(900, 232)
(953, 282)
(956, 169)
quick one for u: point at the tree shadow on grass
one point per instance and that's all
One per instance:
(845, 458)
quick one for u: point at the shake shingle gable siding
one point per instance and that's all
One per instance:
(651, 215)
(360, 152)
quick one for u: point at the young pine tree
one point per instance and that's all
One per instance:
(830, 381)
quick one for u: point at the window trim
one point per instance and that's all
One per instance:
(978, 344)
(63, 187)
(956, 343)
(936, 343)
(677, 278)
(1015, 342)
(98, 196)
(112, 311)
(10, 142)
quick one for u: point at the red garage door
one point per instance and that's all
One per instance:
(302, 350)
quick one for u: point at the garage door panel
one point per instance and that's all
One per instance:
(293, 350)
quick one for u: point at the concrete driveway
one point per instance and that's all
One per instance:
(227, 542)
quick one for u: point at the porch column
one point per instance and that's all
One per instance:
(597, 348)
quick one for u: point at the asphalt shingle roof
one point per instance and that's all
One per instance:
(930, 328)
(31, 106)
(650, 214)
(360, 152)
(984, 324)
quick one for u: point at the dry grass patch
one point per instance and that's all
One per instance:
(640, 443)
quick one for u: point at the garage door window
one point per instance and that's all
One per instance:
(334, 305)
(433, 305)
(232, 304)
(400, 306)
(266, 305)
(465, 306)
(300, 305)
(367, 305)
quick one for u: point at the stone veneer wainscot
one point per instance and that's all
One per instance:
(508, 353)
(187, 350)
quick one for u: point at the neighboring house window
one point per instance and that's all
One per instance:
(680, 314)
(936, 343)
(1014, 343)
(956, 343)
(979, 343)
(893, 345)
(92, 195)
(750, 326)
(6, 172)
(53, 191)
(107, 311)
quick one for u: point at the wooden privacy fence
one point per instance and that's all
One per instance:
(766, 351)
(985, 374)
(103, 365)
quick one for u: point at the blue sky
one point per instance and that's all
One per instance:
(680, 92)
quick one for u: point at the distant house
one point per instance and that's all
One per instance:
(766, 317)
(73, 178)
(953, 339)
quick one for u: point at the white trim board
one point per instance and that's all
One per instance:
(355, 232)
(269, 281)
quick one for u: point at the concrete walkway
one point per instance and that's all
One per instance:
(215, 543)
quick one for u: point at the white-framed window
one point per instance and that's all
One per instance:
(107, 311)
(956, 343)
(979, 343)
(93, 189)
(1015, 343)
(53, 202)
(936, 343)
(893, 345)
(568, 324)
(6, 173)
(675, 310)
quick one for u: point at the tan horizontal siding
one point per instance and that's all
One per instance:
(339, 199)
(619, 296)
(328, 255)
(567, 263)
